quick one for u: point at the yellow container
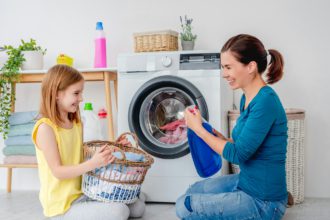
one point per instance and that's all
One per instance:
(64, 59)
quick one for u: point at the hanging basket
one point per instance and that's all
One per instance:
(119, 181)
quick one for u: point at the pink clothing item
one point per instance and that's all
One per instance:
(173, 125)
(20, 159)
(174, 136)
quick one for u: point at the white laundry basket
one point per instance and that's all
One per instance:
(119, 181)
(295, 151)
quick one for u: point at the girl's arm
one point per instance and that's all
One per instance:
(47, 143)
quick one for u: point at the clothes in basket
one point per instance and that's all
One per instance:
(121, 180)
(129, 156)
(110, 192)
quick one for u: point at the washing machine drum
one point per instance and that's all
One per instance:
(156, 115)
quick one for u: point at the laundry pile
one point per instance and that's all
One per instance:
(19, 148)
(104, 190)
(175, 132)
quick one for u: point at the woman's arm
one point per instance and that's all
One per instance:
(46, 142)
(194, 122)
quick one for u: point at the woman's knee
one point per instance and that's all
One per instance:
(180, 207)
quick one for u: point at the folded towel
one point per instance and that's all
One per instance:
(19, 140)
(17, 118)
(21, 129)
(20, 159)
(130, 156)
(19, 150)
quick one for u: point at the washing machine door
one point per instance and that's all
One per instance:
(155, 115)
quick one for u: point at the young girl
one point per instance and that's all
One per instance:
(258, 145)
(58, 139)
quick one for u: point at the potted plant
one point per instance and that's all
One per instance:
(186, 36)
(9, 75)
(33, 55)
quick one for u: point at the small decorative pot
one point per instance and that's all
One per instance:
(34, 60)
(187, 45)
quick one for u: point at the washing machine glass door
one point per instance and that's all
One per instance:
(156, 115)
(161, 117)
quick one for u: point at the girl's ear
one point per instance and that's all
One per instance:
(252, 67)
(58, 94)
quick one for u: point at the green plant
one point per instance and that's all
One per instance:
(186, 34)
(9, 76)
(32, 45)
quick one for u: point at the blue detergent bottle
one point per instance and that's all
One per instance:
(207, 161)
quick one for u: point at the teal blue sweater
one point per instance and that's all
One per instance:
(259, 148)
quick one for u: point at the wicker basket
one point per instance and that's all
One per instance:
(156, 41)
(295, 151)
(119, 181)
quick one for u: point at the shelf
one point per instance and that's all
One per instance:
(19, 165)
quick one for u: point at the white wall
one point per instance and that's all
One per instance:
(299, 29)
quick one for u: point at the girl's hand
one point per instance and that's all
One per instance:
(193, 119)
(124, 141)
(102, 157)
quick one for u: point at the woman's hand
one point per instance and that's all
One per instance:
(193, 119)
(102, 157)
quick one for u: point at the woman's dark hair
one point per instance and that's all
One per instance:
(247, 48)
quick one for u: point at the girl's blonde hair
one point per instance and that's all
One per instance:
(58, 78)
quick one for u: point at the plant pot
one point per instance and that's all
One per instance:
(34, 60)
(187, 45)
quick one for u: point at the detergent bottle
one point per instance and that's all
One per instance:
(91, 124)
(100, 58)
(102, 113)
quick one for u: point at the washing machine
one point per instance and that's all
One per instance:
(153, 91)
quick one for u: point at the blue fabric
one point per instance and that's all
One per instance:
(207, 161)
(187, 203)
(119, 194)
(130, 156)
(259, 148)
(21, 129)
(220, 198)
(19, 140)
(17, 118)
(19, 150)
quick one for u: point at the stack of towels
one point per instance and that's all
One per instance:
(19, 148)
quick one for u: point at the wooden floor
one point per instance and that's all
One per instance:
(20, 205)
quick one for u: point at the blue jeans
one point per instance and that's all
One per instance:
(219, 198)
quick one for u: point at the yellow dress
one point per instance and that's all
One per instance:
(57, 195)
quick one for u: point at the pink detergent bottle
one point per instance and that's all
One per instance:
(100, 59)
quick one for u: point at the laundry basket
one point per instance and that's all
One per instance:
(119, 181)
(295, 151)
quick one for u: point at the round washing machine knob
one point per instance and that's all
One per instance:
(166, 61)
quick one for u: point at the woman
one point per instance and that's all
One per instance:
(258, 145)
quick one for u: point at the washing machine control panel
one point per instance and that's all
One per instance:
(196, 61)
